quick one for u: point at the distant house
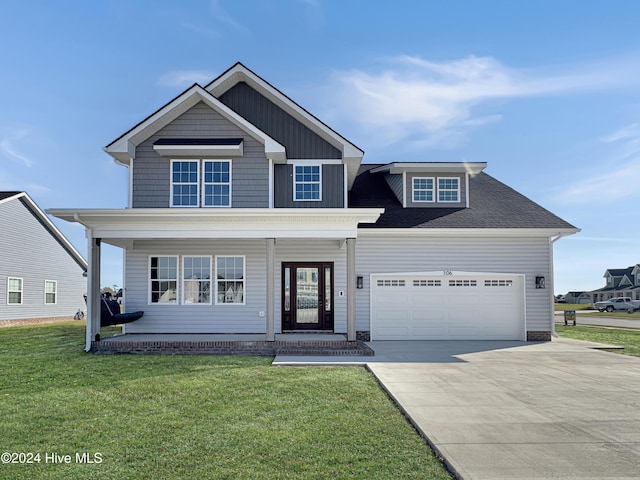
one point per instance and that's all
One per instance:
(621, 282)
(578, 297)
(41, 274)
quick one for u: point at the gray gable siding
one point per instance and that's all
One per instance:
(250, 173)
(332, 188)
(299, 140)
(29, 251)
(395, 183)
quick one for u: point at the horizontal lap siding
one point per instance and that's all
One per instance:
(29, 251)
(151, 172)
(387, 254)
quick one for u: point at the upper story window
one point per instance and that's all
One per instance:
(610, 281)
(448, 189)
(14, 291)
(216, 183)
(423, 189)
(307, 181)
(184, 183)
(188, 187)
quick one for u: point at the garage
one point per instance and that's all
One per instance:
(447, 305)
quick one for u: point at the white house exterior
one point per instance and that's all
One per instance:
(41, 274)
(249, 215)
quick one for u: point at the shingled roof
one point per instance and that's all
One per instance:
(492, 204)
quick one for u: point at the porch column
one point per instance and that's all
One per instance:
(93, 290)
(271, 290)
(351, 289)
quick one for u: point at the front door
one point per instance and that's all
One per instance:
(307, 296)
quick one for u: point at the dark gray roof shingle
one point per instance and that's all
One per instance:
(4, 195)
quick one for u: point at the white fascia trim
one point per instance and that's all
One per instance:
(404, 189)
(466, 187)
(466, 232)
(398, 167)
(345, 186)
(314, 161)
(271, 183)
(449, 273)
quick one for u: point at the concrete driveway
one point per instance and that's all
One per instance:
(512, 410)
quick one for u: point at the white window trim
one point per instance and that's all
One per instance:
(230, 182)
(307, 164)
(448, 189)
(183, 279)
(172, 183)
(55, 292)
(13, 291)
(244, 278)
(150, 281)
(413, 190)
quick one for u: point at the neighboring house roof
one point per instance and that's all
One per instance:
(618, 272)
(46, 223)
(492, 204)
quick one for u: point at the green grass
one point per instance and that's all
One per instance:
(560, 307)
(616, 314)
(176, 417)
(629, 339)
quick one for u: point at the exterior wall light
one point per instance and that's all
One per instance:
(540, 282)
(360, 282)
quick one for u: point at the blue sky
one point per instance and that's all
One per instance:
(545, 92)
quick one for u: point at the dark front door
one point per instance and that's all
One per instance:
(307, 296)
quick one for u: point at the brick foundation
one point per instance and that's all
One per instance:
(363, 336)
(538, 336)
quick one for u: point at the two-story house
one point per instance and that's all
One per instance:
(247, 214)
(620, 282)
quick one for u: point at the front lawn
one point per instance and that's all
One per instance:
(560, 307)
(193, 416)
(629, 339)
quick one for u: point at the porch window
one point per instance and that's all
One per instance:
(423, 189)
(448, 189)
(306, 183)
(184, 183)
(196, 280)
(217, 183)
(163, 279)
(230, 275)
(50, 292)
(14, 291)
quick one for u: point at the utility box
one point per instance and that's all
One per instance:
(570, 316)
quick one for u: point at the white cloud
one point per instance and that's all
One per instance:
(437, 101)
(185, 78)
(8, 149)
(222, 16)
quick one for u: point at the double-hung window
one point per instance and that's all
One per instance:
(163, 279)
(423, 189)
(230, 275)
(448, 189)
(14, 291)
(307, 181)
(184, 183)
(196, 280)
(50, 292)
(216, 183)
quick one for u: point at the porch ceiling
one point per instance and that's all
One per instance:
(130, 224)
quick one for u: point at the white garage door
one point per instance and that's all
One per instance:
(447, 306)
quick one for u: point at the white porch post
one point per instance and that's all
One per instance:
(271, 291)
(351, 289)
(93, 290)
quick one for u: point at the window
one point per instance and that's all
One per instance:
(427, 283)
(196, 280)
(306, 182)
(423, 189)
(14, 291)
(498, 283)
(184, 183)
(462, 283)
(50, 292)
(163, 275)
(448, 189)
(217, 183)
(230, 280)
(391, 283)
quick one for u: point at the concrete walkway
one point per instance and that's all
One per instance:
(513, 410)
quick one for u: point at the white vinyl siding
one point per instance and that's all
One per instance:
(14, 291)
(50, 292)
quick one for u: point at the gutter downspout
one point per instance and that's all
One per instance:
(551, 272)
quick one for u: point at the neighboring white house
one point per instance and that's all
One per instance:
(41, 274)
(620, 282)
(247, 214)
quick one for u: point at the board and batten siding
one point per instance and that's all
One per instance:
(395, 183)
(332, 188)
(211, 318)
(394, 254)
(250, 173)
(29, 251)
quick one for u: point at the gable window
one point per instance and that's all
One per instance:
(216, 183)
(184, 183)
(306, 182)
(423, 189)
(230, 276)
(14, 291)
(610, 281)
(50, 292)
(196, 280)
(163, 279)
(448, 189)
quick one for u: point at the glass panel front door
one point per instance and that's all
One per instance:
(307, 296)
